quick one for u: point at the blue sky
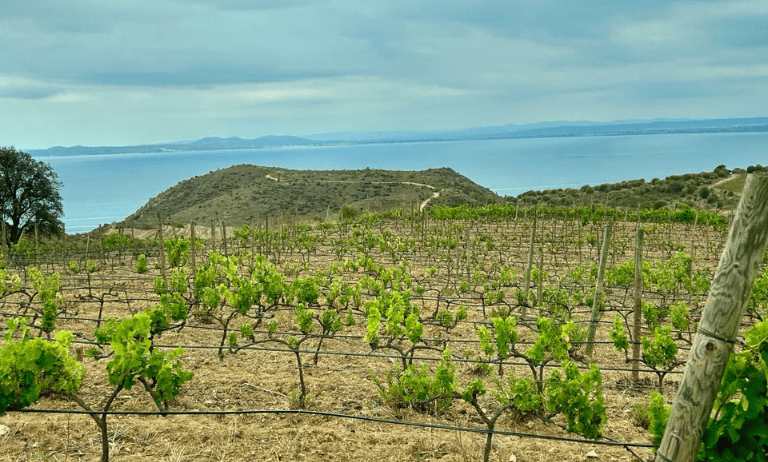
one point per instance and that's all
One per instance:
(96, 72)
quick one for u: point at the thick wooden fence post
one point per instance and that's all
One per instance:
(598, 288)
(720, 321)
(638, 314)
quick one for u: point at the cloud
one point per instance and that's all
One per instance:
(21, 88)
(249, 67)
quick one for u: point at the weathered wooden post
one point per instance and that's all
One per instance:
(529, 268)
(37, 245)
(598, 288)
(224, 238)
(638, 314)
(693, 245)
(162, 251)
(192, 250)
(720, 321)
(213, 235)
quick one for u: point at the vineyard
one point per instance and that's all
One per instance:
(462, 334)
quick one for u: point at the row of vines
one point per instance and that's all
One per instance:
(471, 318)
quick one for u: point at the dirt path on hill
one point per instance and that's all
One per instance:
(724, 180)
(435, 194)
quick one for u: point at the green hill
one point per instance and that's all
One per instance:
(715, 190)
(246, 193)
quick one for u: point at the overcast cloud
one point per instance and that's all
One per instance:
(93, 72)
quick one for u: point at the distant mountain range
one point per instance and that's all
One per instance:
(534, 130)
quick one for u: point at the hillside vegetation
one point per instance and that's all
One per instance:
(246, 193)
(715, 190)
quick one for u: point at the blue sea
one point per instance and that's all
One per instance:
(107, 188)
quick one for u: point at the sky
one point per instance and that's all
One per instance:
(114, 72)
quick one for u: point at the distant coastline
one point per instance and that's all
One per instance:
(538, 130)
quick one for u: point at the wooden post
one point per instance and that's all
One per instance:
(224, 238)
(527, 282)
(598, 288)
(192, 250)
(540, 280)
(693, 244)
(213, 235)
(517, 208)
(252, 236)
(638, 315)
(469, 276)
(720, 321)
(64, 241)
(266, 236)
(37, 244)
(162, 250)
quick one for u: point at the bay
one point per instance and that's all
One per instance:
(101, 189)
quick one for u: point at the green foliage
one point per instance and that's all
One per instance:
(617, 334)
(304, 319)
(396, 308)
(91, 267)
(658, 414)
(306, 290)
(30, 368)
(177, 250)
(522, 394)
(115, 241)
(758, 298)
(622, 275)
(48, 289)
(678, 316)
(419, 389)
(651, 314)
(141, 264)
(134, 358)
(739, 430)
(348, 212)
(159, 286)
(640, 414)
(553, 342)
(502, 340)
(579, 397)
(9, 283)
(178, 280)
(29, 196)
(349, 318)
(660, 351)
(172, 308)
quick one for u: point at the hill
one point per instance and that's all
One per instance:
(715, 190)
(245, 193)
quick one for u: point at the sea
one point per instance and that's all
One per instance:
(102, 189)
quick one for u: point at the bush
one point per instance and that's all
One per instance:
(141, 264)
(349, 212)
(640, 415)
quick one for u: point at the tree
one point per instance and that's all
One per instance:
(29, 194)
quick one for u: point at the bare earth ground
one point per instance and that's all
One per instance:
(265, 380)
